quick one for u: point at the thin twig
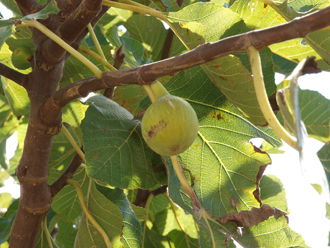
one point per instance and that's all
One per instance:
(13, 75)
(67, 174)
(119, 60)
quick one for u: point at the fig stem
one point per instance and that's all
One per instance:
(96, 57)
(63, 44)
(105, 63)
(145, 222)
(88, 214)
(95, 40)
(158, 89)
(150, 92)
(177, 218)
(191, 193)
(263, 101)
(45, 229)
(76, 147)
(142, 9)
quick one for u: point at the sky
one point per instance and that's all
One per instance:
(307, 207)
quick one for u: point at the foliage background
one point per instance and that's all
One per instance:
(299, 192)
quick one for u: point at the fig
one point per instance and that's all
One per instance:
(169, 125)
(22, 57)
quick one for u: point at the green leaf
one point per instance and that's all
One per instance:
(158, 204)
(44, 239)
(258, 16)
(181, 240)
(5, 226)
(315, 113)
(272, 233)
(129, 96)
(73, 113)
(272, 192)
(107, 215)
(66, 202)
(21, 131)
(6, 29)
(229, 74)
(165, 222)
(150, 32)
(115, 150)
(21, 38)
(17, 97)
(324, 156)
(12, 6)
(62, 151)
(113, 17)
(75, 70)
(218, 233)
(132, 232)
(153, 240)
(51, 8)
(66, 234)
(7, 221)
(5, 200)
(139, 212)
(266, 147)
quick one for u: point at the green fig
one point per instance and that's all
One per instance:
(170, 125)
(22, 57)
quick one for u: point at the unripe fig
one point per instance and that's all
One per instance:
(22, 57)
(170, 125)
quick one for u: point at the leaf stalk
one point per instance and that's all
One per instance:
(63, 44)
(263, 101)
(73, 143)
(88, 214)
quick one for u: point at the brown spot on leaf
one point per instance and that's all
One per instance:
(252, 217)
(258, 150)
(256, 193)
(232, 202)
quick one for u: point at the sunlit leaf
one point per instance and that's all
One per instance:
(17, 97)
(66, 202)
(150, 32)
(108, 217)
(132, 232)
(272, 192)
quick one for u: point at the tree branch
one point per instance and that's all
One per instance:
(119, 60)
(13, 75)
(28, 6)
(169, 38)
(143, 195)
(74, 26)
(67, 174)
(145, 74)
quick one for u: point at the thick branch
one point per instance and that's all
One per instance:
(145, 74)
(67, 174)
(28, 6)
(74, 26)
(13, 75)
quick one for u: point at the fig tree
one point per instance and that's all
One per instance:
(22, 57)
(170, 124)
